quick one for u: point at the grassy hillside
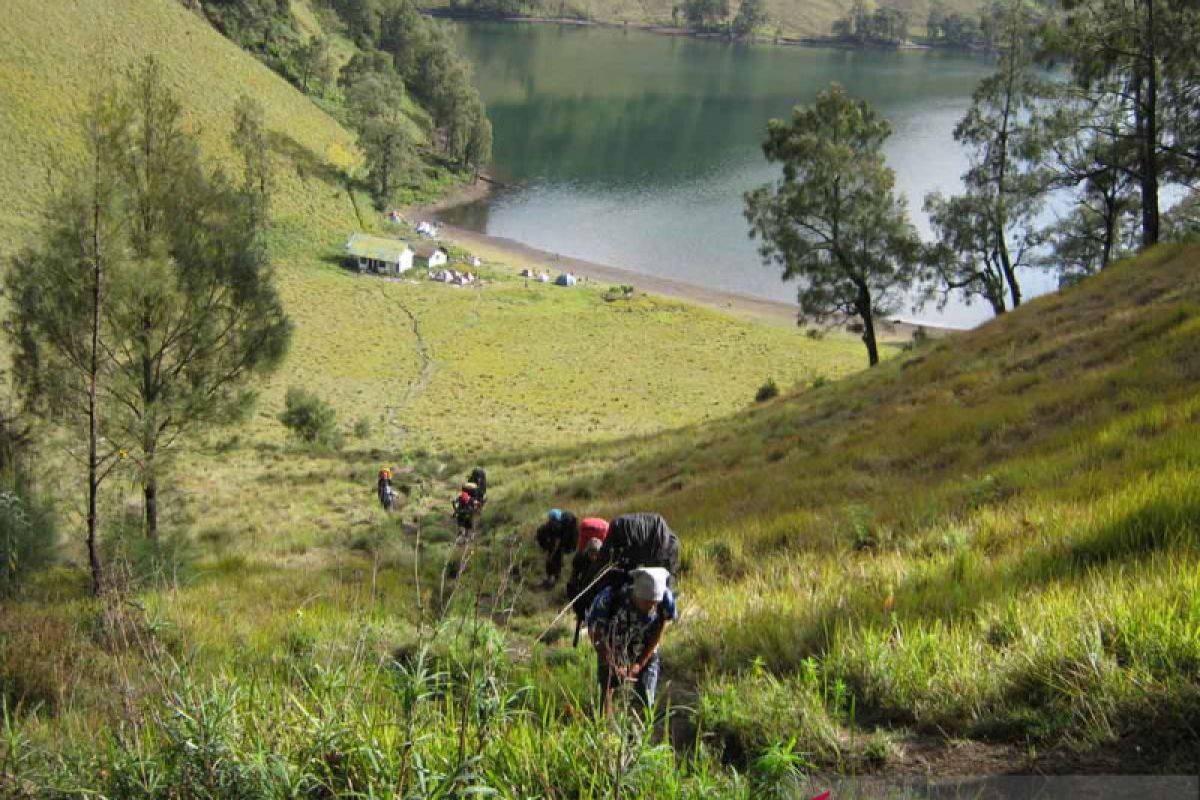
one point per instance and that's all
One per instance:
(981, 556)
(986, 545)
(994, 537)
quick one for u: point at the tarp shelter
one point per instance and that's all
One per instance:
(380, 254)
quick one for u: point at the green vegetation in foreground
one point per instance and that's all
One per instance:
(990, 538)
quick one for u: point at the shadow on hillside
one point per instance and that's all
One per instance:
(308, 164)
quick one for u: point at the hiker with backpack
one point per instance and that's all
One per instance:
(384, 490)
(478, 477)
(582, 586)
(626, 624)
(641, 540)
(556, 537)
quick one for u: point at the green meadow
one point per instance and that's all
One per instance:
(988, 544)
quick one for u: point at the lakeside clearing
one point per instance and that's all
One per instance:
(518, 255)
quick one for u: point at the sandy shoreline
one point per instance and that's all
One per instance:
(517, 254)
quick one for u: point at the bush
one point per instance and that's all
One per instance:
(27, 535)
(767, 391)
(309, 417)
(362, 428)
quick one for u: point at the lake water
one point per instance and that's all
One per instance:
(633, 149)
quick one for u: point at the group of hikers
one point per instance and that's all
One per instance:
(620, 587)
(466, 505)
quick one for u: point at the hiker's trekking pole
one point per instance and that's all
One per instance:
(567, 607)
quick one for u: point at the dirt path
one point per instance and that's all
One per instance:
(423, 352)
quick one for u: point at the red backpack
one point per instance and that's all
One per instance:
(591, 528)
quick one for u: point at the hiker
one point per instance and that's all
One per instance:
(465, 506)
(641, 540)
(626, 625)
(591, 528)
(587, 580)
(479, 478)
(383, 488)
(556, 537)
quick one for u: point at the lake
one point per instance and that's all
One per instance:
(634, 149)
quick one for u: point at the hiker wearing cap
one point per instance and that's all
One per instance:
(556, 537)
(626, 625)
(641, 540)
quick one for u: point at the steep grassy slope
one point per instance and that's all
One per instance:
(508, 364)
(994, 536)
(989, 542)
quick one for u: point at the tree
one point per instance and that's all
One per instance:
(751, 15)
(1145, 52)
(704, 15)
(832, 221)
(181, 300)
(314, 61)
(377, 114)
(1087, 154)
(1003, 186)
(250, 141)
(309, 417)
(964, 257)
(195, 313)
(58, 293)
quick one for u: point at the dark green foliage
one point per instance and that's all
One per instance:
(27, 533)
(751, 15)
(767, 391)
(309, 417)
(954, 29)
(832, 222)
(400, 41)
(986, 234)
(1141, 57)
(189, 310)
(883, 25)
(704, 15)
(376, 100)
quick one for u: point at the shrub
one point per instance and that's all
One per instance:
(767, 391)
(820, 381)
(362, 428)
(309, 417)
(27, 535)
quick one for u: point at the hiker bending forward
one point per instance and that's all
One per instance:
(626, 624)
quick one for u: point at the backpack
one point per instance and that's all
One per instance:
(479, 478)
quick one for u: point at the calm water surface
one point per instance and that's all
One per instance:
(633, 149)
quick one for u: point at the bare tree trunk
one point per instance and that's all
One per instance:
(1150, 221)
(867, 315)
(93, 522)
(150, 495)
(149, 434)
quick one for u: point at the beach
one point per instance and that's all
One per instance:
(499, 249)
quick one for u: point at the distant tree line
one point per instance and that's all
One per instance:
(1110, 137)
(402, 59)
(712, 16)
(864, 24)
